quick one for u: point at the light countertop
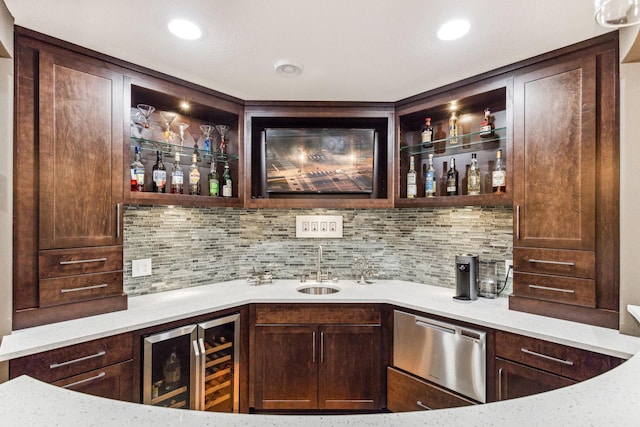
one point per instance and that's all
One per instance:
(608, 399)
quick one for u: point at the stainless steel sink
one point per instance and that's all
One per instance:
(318, 290)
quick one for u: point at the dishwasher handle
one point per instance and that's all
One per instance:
(425, 323)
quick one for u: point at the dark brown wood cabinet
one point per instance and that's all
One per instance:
(566, 186)
(69, 181)
(327, 358)
(526, 366)
(102, 367)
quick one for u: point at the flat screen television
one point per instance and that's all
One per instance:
(319, 160)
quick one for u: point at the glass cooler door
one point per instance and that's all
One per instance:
(170, 364)
(219, 345)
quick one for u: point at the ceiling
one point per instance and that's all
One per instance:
(351, 50)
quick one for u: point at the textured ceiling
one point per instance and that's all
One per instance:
(351, 50)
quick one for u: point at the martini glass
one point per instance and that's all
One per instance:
(168, 118)
(206, 131)
(145, 111)
(222, 130)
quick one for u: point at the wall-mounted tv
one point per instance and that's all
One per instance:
(319, 160)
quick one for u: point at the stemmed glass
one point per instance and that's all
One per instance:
(168, 118)
(222, 130)
(206, 131)
(145, 111)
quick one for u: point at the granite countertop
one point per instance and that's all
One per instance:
(608, 399)
(154, 309)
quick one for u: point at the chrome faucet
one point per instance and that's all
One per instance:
(319, 275)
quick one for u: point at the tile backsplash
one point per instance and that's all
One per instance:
(196, 246)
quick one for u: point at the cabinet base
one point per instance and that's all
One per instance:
(591, 316)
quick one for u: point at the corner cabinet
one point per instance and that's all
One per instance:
(183, 121)
(324, 357)
(68, 202)
(469, 103)
(566, 162)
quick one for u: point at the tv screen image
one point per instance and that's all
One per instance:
(319, 160)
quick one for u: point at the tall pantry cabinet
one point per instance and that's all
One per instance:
(69, 185)
(566, 181)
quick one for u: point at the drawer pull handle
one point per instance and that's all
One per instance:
(518, 222)
(82, 261)
(422, 405)
(500, 384)
(86, 380)
(313, 347)
(546, 288)
(544, 261)
(84, 288)
(544, 356)
(81, 359)
(117, 220)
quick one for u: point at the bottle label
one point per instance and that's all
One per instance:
(194, 177)
(139, 176)
(451, 188)
(160, 178)
(226, 190)
(427, 135)
(412, 190)
(411, 179)
(214, 188)
(498, 178)
(430, 187)
(176, 178)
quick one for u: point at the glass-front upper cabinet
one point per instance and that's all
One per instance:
(454, 148)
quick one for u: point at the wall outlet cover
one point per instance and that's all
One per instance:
(319, 226)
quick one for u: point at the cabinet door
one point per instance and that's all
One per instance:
(515, 380)
(555, 155)
(286, 368)
(112, 382)
(350, 373)
(80, 153)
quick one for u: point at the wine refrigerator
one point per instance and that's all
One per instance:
(194, 366)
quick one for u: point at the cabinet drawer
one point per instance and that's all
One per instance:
(69, 262)
(566, 290)
(406, 393)
(559, 359)
(63, 290)
(64, 362)
(558, 262)
(318, 314)
(112, 382)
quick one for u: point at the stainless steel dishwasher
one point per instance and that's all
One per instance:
(446, 354)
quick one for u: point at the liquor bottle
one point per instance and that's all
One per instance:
(452, 179)
(499, 175)
(473, 177)
(177, 176)
(171, 371)
(426, 133)
(214, 180)
(453, 129)
(137, 172)
(487, 126)
(159, 175)
(430, 185)
(194, 176)
(412, 179)
(227, 185)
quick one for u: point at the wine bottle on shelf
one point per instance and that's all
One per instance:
(137, 172)
(430, 178)
(499, 175)
(214, 180)
(452, 179)
(159, 175)
(453, 129)
(171, 371)
(412, 180)
(177, 176)
(227, 184)
(487, 127)
(194, 176)
(473, 177)
(426, 133)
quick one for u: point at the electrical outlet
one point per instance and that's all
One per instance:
(319, 226)
(508, 263)
(141, 267)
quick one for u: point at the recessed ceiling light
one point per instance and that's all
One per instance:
(184, 29)
(288, 68)
(453, 30)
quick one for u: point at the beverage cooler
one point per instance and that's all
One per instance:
(194, 366)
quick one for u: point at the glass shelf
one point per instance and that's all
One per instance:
(443, 146)
(185, 152)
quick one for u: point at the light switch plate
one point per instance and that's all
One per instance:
(319, 226)
(141, 267)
